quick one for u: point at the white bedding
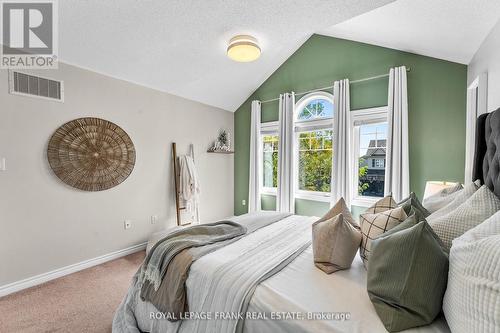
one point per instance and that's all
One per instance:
(301, 287)
(223, 279)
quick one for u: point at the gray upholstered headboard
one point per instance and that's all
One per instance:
(487, 157)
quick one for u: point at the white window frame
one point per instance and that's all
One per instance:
(362, 117)
(476, 105)
(268, 128)
(307, 126)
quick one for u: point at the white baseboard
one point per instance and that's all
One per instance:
(41, 278)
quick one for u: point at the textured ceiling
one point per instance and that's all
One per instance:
(446, 29)
(178, 46)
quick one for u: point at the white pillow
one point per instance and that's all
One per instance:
(472, 299)
(442, 198)
(488, 228)
(461, 197)
(480, 206)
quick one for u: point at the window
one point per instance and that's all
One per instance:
(315, 161)
(369, 143)
(270, 161)
(270, 141)
(313, 157)
(313, 151)
(379, 162)
(316, 108)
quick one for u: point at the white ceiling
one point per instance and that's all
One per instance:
(446, 29)
(178, 46)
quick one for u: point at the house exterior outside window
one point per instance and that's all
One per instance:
(369, 138)
(374, 161)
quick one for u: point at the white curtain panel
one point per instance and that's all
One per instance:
(397, 169)
(285, 201)
(341, 167)
(254, 203)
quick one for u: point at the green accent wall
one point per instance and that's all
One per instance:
(436, 98)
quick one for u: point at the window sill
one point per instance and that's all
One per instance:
(364, 201)
(322, 197)
(359, 201)
(269, 191)
(303, 196)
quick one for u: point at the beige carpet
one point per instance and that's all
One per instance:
(81, 302)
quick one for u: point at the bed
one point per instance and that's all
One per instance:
(339, 302)
(284, 297)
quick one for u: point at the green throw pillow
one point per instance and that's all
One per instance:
(407, 276)
(412, 203)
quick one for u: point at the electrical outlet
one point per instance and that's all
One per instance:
(244, 202)
(127, 224)
(154, 219)
(3, 164)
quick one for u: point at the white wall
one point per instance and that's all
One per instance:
(487, 60)
(45, 224)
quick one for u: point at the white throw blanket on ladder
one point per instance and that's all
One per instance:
(189, 189)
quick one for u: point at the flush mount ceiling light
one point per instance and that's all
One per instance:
(243, 48)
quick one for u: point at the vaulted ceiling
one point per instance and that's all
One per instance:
(446, 29)
(178, 46)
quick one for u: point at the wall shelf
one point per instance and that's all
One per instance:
(220, 152)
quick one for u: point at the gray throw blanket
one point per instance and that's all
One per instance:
(166, 268)
(158, 259)
(171, 296)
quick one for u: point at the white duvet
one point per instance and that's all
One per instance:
(301, 287)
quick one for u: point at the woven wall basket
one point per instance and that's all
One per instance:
(91, 154)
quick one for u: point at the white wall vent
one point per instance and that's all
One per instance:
(35, 86)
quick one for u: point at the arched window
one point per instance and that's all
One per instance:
(313, 127)
(315, 106)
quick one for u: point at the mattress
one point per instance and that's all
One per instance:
(340, 297)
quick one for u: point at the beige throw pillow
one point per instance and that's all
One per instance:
(336, 239)
(373, 225)
(335, 243)
(340, 208)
